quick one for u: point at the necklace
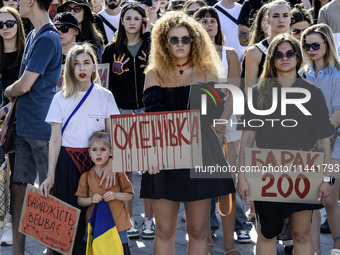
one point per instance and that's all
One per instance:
(181, 71)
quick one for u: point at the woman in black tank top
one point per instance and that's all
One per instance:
(279, 21)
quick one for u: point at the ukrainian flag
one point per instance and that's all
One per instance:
(103, 237)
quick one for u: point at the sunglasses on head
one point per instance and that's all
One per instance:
(76, 9)
(297, 31)
(280, 55)
(131, 3)
(175, 40)
(64, 29)
(314, 46)
(8, 23)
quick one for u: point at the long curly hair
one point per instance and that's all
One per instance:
(203, 55)
(20, 37)
(269, 74)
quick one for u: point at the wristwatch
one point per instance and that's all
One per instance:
(329, 179)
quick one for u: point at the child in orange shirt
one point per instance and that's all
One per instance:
(89, 192)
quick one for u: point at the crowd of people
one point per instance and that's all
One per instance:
(157, 51)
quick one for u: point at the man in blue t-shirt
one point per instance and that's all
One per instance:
(39, 74)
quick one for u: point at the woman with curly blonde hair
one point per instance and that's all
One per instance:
(182, 60)
(202, 52)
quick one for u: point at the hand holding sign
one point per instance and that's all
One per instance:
(156, 141)
(46, 186)
(49, 221)
(284, 176)
(325, 189)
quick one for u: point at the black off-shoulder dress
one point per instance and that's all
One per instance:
(178, 185)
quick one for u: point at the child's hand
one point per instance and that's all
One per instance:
(96, 198)
(108, 196)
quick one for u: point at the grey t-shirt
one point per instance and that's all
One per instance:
(330, 15)
(133, 49)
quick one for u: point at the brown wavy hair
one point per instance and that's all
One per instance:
(20, 40)
(269, 74)
(257, 33)
(203, 55)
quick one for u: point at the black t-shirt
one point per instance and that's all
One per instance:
(308, 129)
(9, 75)
(250, 8)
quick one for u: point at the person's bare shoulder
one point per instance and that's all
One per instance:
(151, 79)
(232, 55)
(254, 54)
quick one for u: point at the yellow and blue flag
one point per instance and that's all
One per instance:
(103, 237)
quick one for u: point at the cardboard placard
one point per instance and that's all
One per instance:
(49, 221)
(103, 71)
(284, 175)
(169, 140)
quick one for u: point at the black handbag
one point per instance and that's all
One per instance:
(8, 145)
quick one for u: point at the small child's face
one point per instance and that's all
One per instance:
(99, 152)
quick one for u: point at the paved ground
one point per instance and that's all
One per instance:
(143, 247)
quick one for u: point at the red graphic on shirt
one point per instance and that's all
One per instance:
(118, 65)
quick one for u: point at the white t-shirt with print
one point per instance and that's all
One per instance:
(90, 117)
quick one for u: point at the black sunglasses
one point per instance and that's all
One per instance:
(131, 3)
(185, 40)
(280, 55)
(297, 31)
(8, 23)
(315, 46)
(64, 29)
(76, 9)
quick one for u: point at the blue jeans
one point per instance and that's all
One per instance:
(241, 218)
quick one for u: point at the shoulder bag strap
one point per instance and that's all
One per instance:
(226, 14)
(108, 24)
(77, 107)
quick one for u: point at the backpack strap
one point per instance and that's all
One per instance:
(226, 14)
(108, 23)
